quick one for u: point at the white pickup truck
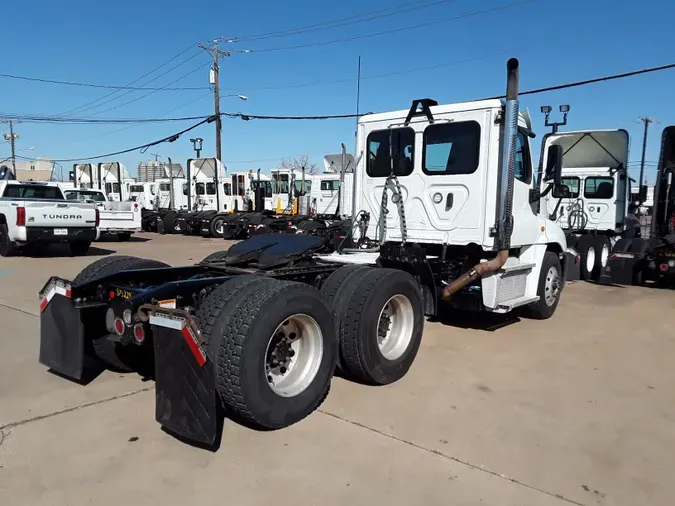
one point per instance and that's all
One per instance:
(37, 213)
(116, 218)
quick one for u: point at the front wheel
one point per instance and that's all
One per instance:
(79, 247)
(549, 289)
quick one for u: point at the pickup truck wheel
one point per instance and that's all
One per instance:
(79, 247)
(114, 356)
(549, 289)
(7, 247)
(124, 236)
(381, 325)
(277, 352)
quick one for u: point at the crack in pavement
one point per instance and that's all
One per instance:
(19, 310)
(450, 457)
(74, 408)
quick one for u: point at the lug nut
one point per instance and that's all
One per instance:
(282, 370)
(291, 353)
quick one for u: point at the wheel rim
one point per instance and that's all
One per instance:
(552, 286)
(395, 327)
(590, 259)
(176, 224)
(293, 355)
(219, 227)
(604, 255)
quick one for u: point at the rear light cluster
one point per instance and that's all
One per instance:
(98, 218)
(20, 216)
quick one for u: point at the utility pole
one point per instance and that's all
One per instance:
(646, 121)
(217, 53)
(11, 137)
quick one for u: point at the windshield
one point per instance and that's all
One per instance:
(15, 191)
(85, 195)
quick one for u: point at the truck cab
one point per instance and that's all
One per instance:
(143, 193)
(592, 203)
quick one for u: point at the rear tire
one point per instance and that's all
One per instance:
(124, 236)
(167, 222)
(381, 322)
(79, 248)
(549, 289)
(216, 227)
(602, 251)
(246, 323)
(586, 249)
(7, 247)
(115, 356)
(639, 246)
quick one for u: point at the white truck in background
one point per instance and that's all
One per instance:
(34, 213)
(592, 203)
(122, 219)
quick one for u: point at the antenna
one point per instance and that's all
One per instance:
(157, 157)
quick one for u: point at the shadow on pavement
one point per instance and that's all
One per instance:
(474, 320)
(62, 250)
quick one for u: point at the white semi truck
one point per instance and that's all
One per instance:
(593, 203)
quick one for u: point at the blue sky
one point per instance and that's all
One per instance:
(116, 42)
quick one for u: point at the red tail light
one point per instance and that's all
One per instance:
(20, 216)
(98, 218)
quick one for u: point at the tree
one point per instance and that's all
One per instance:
(298, 163)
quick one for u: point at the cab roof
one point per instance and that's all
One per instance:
(436, 109)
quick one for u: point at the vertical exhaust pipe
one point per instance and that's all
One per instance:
(504, 214)
(188, 179)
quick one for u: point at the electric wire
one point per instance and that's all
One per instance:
(103, 86)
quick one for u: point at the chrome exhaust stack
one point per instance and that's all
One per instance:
(504, 215)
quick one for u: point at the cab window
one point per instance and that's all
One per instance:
(227, 189)
(164, 187)
(599, 188)
(523, 164)
(210, 188)
(199, 188)
(451, 148)
(330, 185)
(185, 188)
(379, 162)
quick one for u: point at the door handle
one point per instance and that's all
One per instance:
(449, 201)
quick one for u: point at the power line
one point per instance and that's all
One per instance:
(50, 119)
(574, 84)
(351, 20)
(84, 106)
(145, 95)
(142, 148)
(127, 92)
(395, 30)
(377, 76)
(103, 86)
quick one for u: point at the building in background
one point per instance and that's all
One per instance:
(33, 170)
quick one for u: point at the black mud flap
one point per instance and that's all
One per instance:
(185, 390)
(572, 265)
(621, 268)
(61, 336)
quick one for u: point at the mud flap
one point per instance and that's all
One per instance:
(62, 337)
(621, 268)
(572, 265)
(185, 387)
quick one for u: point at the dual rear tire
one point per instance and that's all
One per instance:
(594, 252)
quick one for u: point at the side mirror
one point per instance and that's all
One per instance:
(561, 191)
(554, 164)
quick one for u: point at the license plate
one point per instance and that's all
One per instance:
(60, 231)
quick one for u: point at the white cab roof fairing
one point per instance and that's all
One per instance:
(333, 163)
(109, 171)
(591, 148)
(206, 168)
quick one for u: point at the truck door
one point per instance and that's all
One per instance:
(600, 193)
(438, 167)
(525, 222)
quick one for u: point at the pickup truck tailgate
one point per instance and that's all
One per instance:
(57, 213)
